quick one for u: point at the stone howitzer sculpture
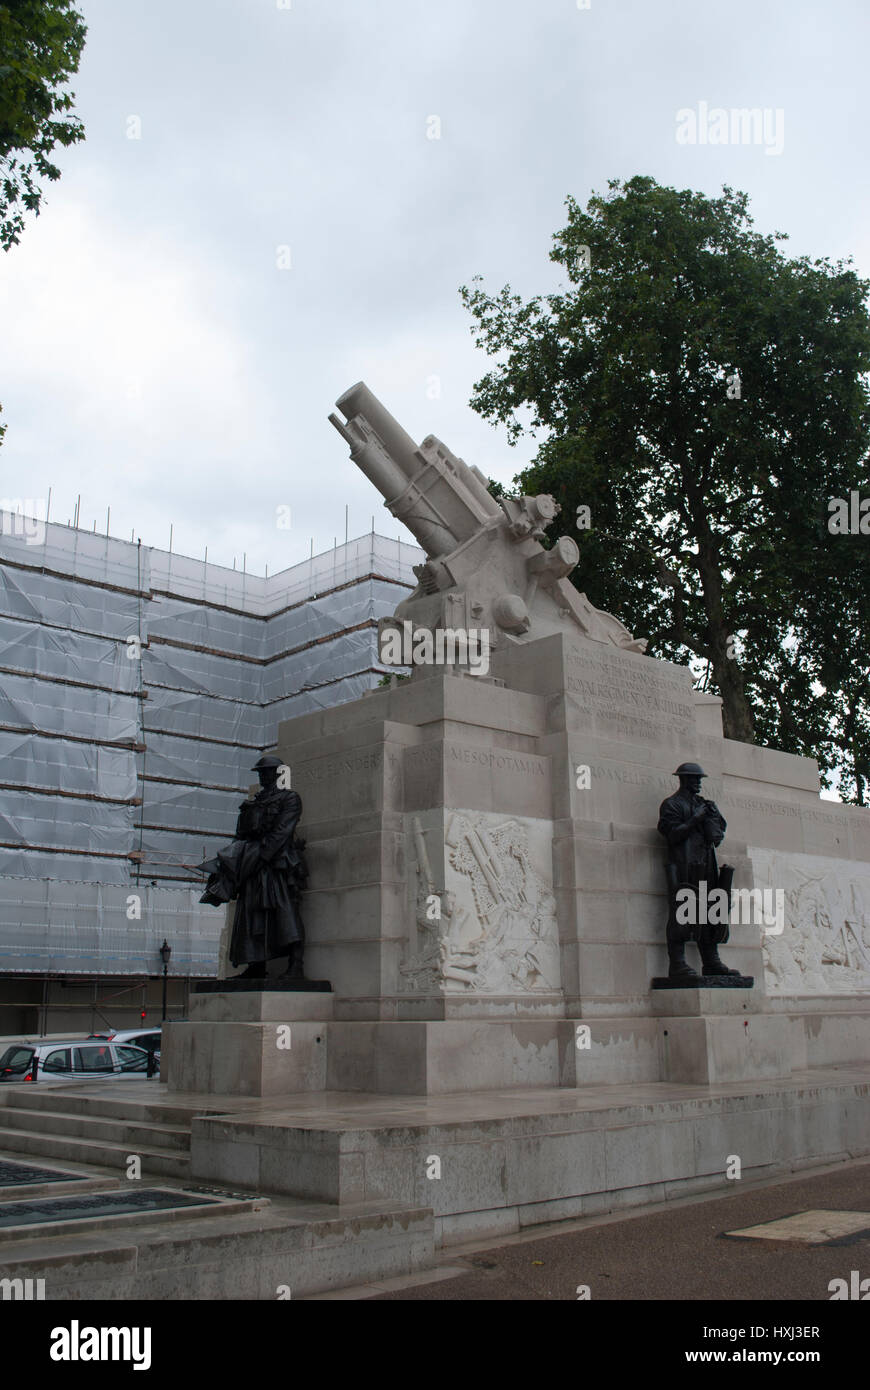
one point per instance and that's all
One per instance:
(485, 568)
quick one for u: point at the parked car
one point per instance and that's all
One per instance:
(76, 1060)
(149, 1038)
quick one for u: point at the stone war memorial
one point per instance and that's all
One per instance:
(517, 939)
(513, 1007)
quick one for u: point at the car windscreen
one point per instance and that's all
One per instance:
(131, 1058)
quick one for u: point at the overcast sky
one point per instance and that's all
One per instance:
(158, 358)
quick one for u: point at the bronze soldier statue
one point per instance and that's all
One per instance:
(693, 827)
(264, 869)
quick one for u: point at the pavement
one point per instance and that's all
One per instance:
(681, 1250)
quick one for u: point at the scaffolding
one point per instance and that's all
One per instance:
(137, 688)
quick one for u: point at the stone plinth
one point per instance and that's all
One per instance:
(486, 847)
(486, 882)
(704, 1001)
(726, 1048)
(512, 1160)
(262, 1006)
(278, 1044)
(235, 1045)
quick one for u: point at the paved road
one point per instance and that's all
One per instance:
(678, 1252)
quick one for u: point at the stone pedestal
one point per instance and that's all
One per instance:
(251, 1043)
(485, 847)
(487, 898)
(486, 882)
(726, 1049)
(716, 1034)
(274, 1044)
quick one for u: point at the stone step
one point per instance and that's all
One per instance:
(20, 1178)
(62, 1099)
(286, 1250)
(83, 1126)
(102, 1152)
(76, 1215)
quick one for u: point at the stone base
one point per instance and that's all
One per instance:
(273, 1044)
(515, 1159)
(278, 1249)
(727, 1048)
(508, 1161)
(701, 1003)
(272, 1055)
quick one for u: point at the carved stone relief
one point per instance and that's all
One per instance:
(493, 927)
(825, 945)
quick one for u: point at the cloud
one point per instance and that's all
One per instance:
(156, 359)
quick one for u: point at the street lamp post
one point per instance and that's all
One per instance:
(165, 953)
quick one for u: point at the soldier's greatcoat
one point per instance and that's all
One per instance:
(265, 870)
(267, 921)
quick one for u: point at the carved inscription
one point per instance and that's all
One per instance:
(479, 757)
(628, 698)
(789, 809)
(486, 757)
(342, 766)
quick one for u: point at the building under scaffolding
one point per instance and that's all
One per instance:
(137, 688)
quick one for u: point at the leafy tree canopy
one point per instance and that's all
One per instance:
(705, 397)
(41, 43)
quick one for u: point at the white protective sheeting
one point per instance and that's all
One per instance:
(29, 703)
(53, 764)
(222, 657)
(88, 928)
(68, 606)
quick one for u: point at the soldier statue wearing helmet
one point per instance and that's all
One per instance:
(264, 869)
(693, 827)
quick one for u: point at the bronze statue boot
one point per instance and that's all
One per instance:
(294, 969)
(712, 965)
(255, 971)
(680, 969)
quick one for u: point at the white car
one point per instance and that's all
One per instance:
(78, 1060)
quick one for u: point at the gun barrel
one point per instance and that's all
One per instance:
(342, 429)
(428, 489)
(359, 400)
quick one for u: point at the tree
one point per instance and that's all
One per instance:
(704, 397)
(41, 43)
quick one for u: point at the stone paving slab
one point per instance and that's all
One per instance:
(816, 1227)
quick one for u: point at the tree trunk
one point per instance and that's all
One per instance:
(737, 720)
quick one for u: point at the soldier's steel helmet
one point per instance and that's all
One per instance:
(690, 770)
(268, 761)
